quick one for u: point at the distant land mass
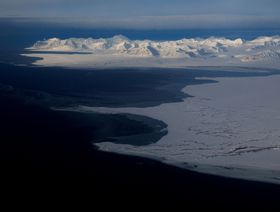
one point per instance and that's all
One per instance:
(263, 52)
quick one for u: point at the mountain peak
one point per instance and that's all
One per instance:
(120, 37)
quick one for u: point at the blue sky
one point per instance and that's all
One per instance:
(150, 13)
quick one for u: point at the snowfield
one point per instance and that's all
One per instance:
(120, 51)
(228, 128)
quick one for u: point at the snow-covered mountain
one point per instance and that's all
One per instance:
(263, 52)
(257, 49)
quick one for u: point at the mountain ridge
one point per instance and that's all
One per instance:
(256, 49)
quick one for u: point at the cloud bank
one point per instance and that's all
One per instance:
(161, 22)
(156, 14)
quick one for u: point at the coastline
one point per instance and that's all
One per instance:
(57, 157)
(227, 165)
(159, 81)
(239, 173)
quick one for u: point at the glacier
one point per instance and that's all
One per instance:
(121, 51)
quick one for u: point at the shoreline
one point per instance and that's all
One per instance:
(179, 80)
(69, 165)
(212, 170)
(139, 130)
(229, 169)
(55, 156)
